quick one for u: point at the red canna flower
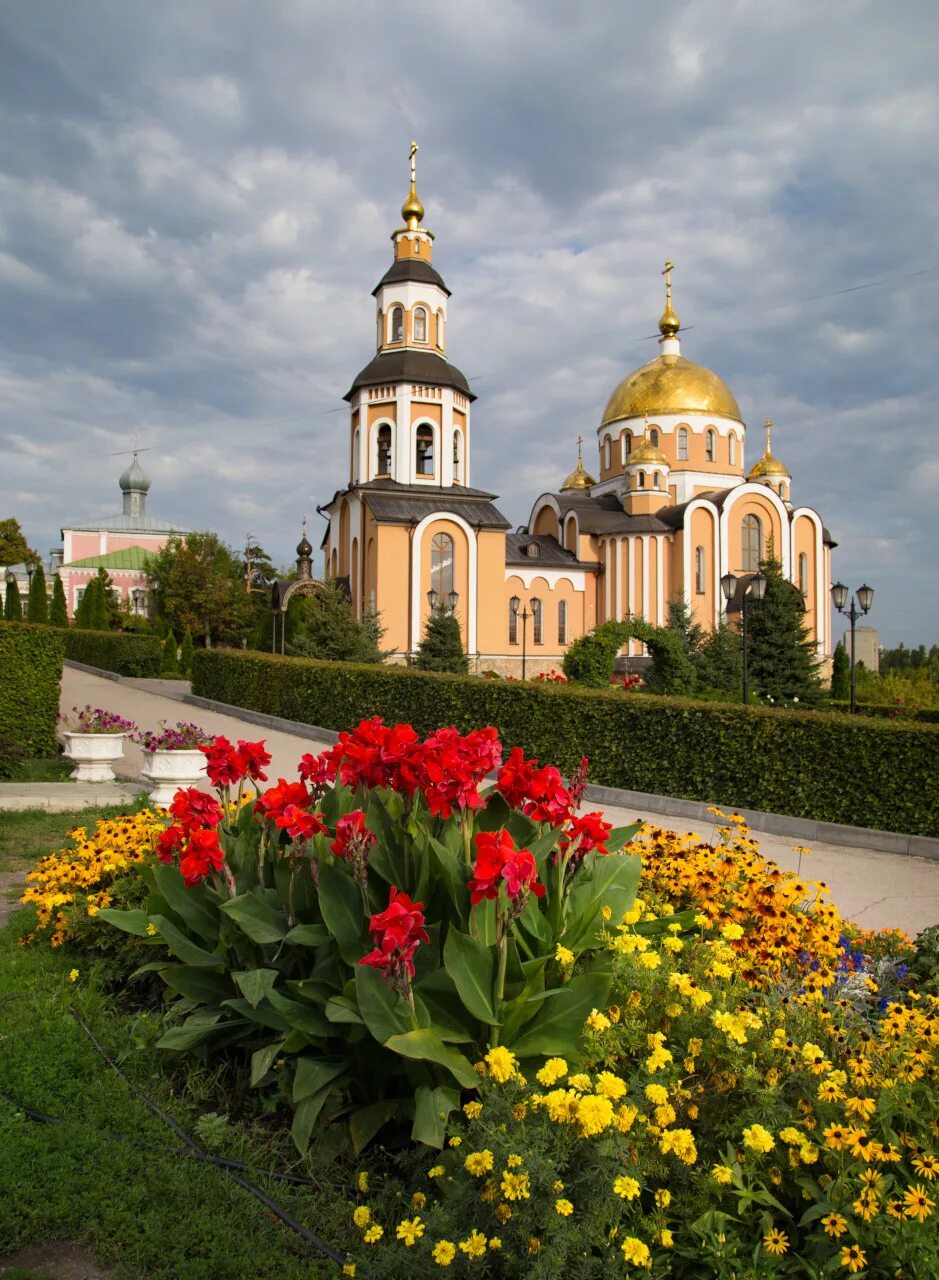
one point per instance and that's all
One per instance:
(194, 808)
(454, 767)
(521, 874)
(222, 762)
(253, 758)
(539, 792)
(320, 771)
(274, 800)
(202, 856)
(352, 833)
(590, 831)
(299, 823)
(397, 932)
(497, 862)
(169, 842)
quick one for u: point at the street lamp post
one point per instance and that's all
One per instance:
(436, 600)
(524, 615)
(755, 590)
(865, 598)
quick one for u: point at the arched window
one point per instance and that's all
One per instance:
(441, 564)
(804, 575)
(562, 622)
(384, 451)
(397, 324)
(627, 444)
(424, 451)
(513, 619)
(417, 248)
(607, 454)
(732, 449)
(699, 585)
(752, 538)
(420, 325)
(457, 458)
(379, 319)
(657, 480)
(682, 444)
(642, 479)
(355, 457)
(710, 448)
(537, 615)
(654, 437)
(440, 329)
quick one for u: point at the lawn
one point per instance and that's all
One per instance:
(45, 769)
(29, 834)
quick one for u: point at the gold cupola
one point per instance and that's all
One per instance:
(412, 211)
(579, 478)
(768, 465)
(671, 384)
(647, 454)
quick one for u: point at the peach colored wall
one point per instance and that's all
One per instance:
(547, 524)
(381, 409)
(668, 443)
(343, 547)
(702, 535)
(805, 542)
(491, 602)
(460, 573)
(752, 504)
(426, 409)
(550, 598)
(393, 569)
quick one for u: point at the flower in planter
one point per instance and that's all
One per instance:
(89, 719)
(184, 736)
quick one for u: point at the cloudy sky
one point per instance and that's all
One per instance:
(196, 199)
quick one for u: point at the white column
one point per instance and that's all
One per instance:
(660, 575)
(605, 556)
(645, 575)
(404, 453)
(446, 437)
(631, 582)
(619, 577)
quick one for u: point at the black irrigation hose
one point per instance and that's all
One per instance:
(204, 1156)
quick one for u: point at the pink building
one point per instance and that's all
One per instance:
(120, 544)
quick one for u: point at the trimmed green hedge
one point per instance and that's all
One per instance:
(124, 653)
(829, 767)
(883, 711)
(31, 667)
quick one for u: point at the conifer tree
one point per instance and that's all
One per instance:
(169, 663)
(111, 611)
(185, 655)
(88, 607)
(12, 605)
(719, 662)
(841, 674)
(38, 608)
(58, 609)
(781, 657)
(100, 609)
(441, 648)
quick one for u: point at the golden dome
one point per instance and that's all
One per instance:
(671, 384)
(412, 211)
(579, 478)
(768, 465)
(647, 453)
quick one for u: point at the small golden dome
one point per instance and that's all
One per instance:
(412, 211)
(768, 465)
(671, 384)
(646, 453)
(669, 323)
(579, 478)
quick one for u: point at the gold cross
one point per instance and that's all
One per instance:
(413, 156)
(667, 273)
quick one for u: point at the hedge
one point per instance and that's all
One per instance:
(124, 653)
(31, 666)
(830, 767)
(885, 711)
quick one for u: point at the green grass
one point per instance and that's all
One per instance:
(45, 769)
(146, 1212)
(29, 834)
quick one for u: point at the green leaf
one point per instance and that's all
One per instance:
(622, 835)
(301, 1016)
(431, 1108)
(365, 1121)
(313, 1074)
(194, 1031)
(263, 1015)
(184, 948)
(472, 967)
(446, 1013)
(189, 904)
(259, 920)
(559, 1024)
(263, 1059)
(386, 858)
(341, 906)
(454, 872)
(341, 1009)
(304, 1118)
(601, 882)
(426, 1046)
(308, 935)
(384, 1012)
(135, 921)
(255, 984)
(204, 985)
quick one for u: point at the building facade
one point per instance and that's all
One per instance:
(672, 510)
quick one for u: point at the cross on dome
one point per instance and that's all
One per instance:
(412, 211)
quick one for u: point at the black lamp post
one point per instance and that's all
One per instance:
(524, 615)
(436, 600)
(865, 598)
(754, 590)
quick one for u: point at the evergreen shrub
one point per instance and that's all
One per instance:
(125, 655)
(31, 662)
(829, 767)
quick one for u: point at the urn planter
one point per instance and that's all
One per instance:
(166, 771)
(93, 755)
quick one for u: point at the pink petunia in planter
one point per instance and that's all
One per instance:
(172, 758)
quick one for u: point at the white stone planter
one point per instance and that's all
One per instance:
(93, 754)
(167, 771)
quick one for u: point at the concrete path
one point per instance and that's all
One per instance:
(877, 889)
(60, 797)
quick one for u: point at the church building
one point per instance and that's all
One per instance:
(673, 507)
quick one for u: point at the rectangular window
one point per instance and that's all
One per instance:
(699, 584)
(513, 621)
(562, 622)
(536, 618)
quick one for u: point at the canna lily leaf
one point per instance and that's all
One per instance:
(255, 984)
(384, 1012)
(472, 967)
(258, 919)
(426, 1046)
(560, 1021)
(184, 948)
(188, 904)
(431, 1108)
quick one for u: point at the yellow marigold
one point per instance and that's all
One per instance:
(362, 1216)
(626, 1188)
(674, 945)
(443, 1253)
(732, 931)
(791, 1136)
(515, 1186)
(474, 1246)
(610, 1086)
(73, 975)
(348, 1269)
(495, 1242)
(436, 1172)
(374, 1234)
(564, 956)
(557, 1186)
(681, 1143)
(722, 1174)
(418, 1200)
(472, 1109)
(657, 1094)
(756, 1138)
(606, 912)
(519, 1111)
(594, 1115)
(503, 1213)
(514, 1162)
(152, 932)
(564, 1208)
(658, 1059)
(410, 1231)
(581, 1081)
(636, 1252)
(455, 1141)
(534, 1245)
(663, 1198)
(665, 1238)
(502, 1064)
(597, 1021)
(362, 1181)
(552, 1071)
(478, 1163)
(625, 1118)
(650, 960)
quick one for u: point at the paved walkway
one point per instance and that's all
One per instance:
(878, 889)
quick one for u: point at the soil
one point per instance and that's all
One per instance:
(55, 1260)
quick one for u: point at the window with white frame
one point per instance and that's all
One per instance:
(397, 324)
(424, 451)
(732, 449)
(562, 622)
(699, 582)
(441, 564)
(537, 620)
(682, 444)
(384, 451)
(804, 575)
(710, 445)
(752, 542)
(420, 325)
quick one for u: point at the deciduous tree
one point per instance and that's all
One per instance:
(14, 549)
(201, 588)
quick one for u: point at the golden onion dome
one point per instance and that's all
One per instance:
(768, 465)
(671, 384)
(412, 211)
(579, 478)
(647, 454)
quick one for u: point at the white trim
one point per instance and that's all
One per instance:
(607, 591)
(750, 489)
(472, 584)
(645, 575)
(660, 575)
(373, 430)
(544, 500)
(619, 576)
(667, 422)
(576, 578)
(822, 590)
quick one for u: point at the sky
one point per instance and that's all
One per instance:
(196, 202)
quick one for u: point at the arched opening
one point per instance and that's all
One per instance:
(420, 325)
(732, 449)
(699, 584)
(657, 480)
(513, 619)
(537, 621)
(424, 451)
(457, 457)
(654, 437)
(710, 445)
(626, 445)
(562, 622)
(642, 479)
(570, 534)
(607, 454)
(682, 444)
(440, 329)
(441, 564)
(804, 575)
(752, 543)
(383, 467)
(397, 324)
(356, 451)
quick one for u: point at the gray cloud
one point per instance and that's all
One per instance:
(195, 203)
